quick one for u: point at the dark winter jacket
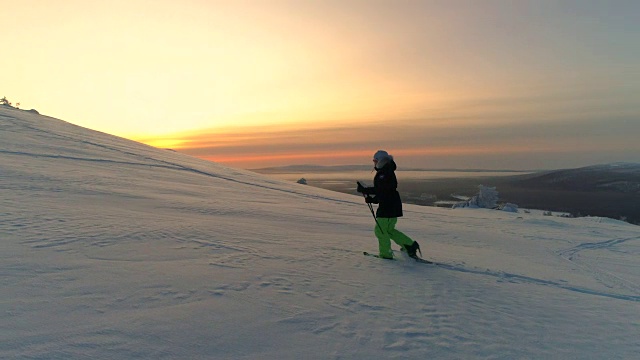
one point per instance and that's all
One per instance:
(386, 195)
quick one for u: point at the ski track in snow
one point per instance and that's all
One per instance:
(608, 278)
(113, 249)
(569, 254)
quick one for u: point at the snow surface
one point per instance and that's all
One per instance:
(114, 249)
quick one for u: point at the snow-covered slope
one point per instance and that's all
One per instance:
(113, 249)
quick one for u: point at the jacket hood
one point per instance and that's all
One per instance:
(389, 166)
(382, 158)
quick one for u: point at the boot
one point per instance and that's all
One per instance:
(413, 249)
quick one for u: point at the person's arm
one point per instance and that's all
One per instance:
(366, 190)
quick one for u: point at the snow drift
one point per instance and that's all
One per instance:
(114, 249)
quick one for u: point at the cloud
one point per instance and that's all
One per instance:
(449, 142)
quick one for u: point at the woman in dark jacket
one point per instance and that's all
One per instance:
(384, 194)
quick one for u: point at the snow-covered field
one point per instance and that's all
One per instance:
(115, 250)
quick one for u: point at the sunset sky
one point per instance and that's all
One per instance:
(510, 84)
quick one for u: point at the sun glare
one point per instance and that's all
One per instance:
(163, 143)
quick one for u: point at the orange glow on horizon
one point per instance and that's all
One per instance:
(356, 157)
(280, 157)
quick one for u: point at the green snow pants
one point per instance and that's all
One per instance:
(389, 233)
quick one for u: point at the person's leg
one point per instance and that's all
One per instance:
(405, 242)
(384, 241)
(398, 236)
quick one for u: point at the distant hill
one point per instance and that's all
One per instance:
(610, 190)
(621, 177)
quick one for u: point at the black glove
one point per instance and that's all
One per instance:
(360, 188)
(371, 200)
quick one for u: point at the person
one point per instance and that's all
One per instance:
(384, 193)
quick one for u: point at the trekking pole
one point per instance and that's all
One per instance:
(371, 209)
(374, 215)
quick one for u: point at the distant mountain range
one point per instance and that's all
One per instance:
(618, 177)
